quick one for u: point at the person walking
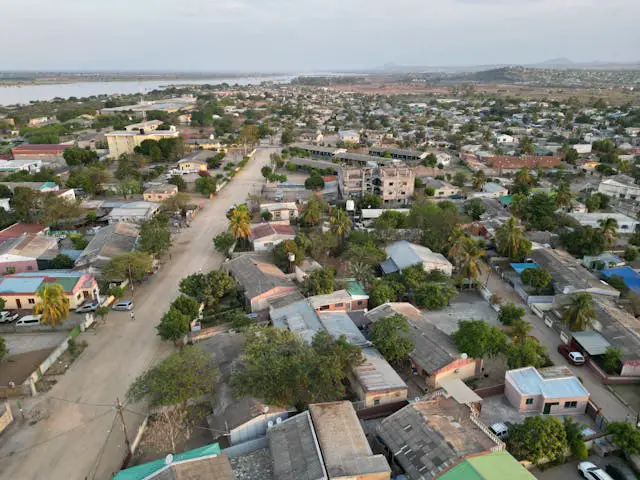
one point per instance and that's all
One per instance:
(132, 315)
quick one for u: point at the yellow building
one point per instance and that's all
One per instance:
(19, 290)
(122, 142)
(192, 165)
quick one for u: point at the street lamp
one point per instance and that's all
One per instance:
(292, 258)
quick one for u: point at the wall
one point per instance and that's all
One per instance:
(466, 368)
(260, 302)
(561, 410)
(368, 399)
(255, 428)
(630, 368)
(6, 417)
(21, 266)
(611, 379)
(519, 401)
(362, 306)
(490, 391)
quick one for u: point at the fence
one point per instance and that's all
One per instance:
(379, 410)
(474, 417)
(193, 337)
(607, 379)
(490, 391)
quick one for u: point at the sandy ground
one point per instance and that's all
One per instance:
(79, 434)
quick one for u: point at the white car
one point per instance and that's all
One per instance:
(7, 317)
(592, 472)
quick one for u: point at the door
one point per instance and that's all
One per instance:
(18, 303)
(547, 407)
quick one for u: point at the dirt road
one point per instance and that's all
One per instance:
(80, 434)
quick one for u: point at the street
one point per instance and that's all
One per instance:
(80, 435)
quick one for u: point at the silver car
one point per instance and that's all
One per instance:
(123, 306)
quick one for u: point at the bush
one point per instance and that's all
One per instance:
(314, 182)
(630, 253)
(510, 313)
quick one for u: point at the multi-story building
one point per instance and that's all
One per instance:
(394, 184)
(126, 141)
(620, 186)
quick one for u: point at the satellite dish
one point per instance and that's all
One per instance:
(464, 356)
(168, 460)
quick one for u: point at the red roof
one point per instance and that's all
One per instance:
(266, 229)
(7, 156)
(35, 149)
(528, 161)
(18, 229)
(329, 178)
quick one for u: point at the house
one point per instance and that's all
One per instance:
(318, 151)
(19, 290)
(553, 390)
(602, 261)
(435, 357)
(351, 299)
(200, 463)
(310, 136)
(158, 193)
(18, 229)
(349, 136)
(441, 188)
(12, 166)
(394, 184)
(109, 242)
(44, 153)
(192, 165)
(361, 159)
(294, 313)
(582, 148)
(375, 382)
(265, 236)
(625, 224)
(373, 213)
(504, 162)
(629, 275)
(133, 212)
(403, 254)
(494, 190)
(620, 186)
(499, 465)
(345, 449)
(504, 138)
(125, 142)
(42, 187)
(259, 281)
(443, 158)
(27, 253)
(428, 437)
(280, 212)
(295, 450)
(398, 154)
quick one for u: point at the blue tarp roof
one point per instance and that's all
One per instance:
(628, 274)
(521, 267)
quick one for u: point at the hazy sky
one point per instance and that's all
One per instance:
(305, 35)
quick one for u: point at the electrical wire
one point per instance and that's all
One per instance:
(102, 449)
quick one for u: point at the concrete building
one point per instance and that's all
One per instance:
(134, 212)
(319, 151)
(494, 190)
(398, 154)
(265, 236)
(395, 185)
(345, 448)
(13, 166)
(281, 212)
(349, 136)
(159, 193)
(620, 186)
(441, 189)
(19, 290)
(26, 253)
(121, 142)
(403, 254)
(171, 105)
(375, 382)
(109, 242)
(192, 165)
(554, 391)
(625, 224)
(44, 153)
(19, 229)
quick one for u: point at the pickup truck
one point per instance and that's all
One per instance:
(6, 317)
(572, 356)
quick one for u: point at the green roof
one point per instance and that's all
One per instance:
(354, 287)
(68, 283)
(146, 469)
(506, 199)
(493, 466)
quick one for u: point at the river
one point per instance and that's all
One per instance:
(11, 95)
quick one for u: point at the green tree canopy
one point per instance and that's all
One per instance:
(174, 325)
(155, 238)
(526, 353)
(434, 296)
(538, 438)
(189, 306)
(206, 185)
(474, 208)
(626, 437)
(209, 288)
(318, 282)
(511, 241)
(79, 156)
(510, 313)
(579, 313)
(538, 278)
(134, 265)
(478, 339)
(314, 182)
(390, 337)
(223, 242)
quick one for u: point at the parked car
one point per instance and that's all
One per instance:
(29, 321)
(500, 430)
(7, 317)
(591, 471)
(619, 472)
(88, 307)
(572, 356)
(123, 306)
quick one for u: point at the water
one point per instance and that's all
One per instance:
(11, 95)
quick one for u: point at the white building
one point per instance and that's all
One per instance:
(620, 186)
(349, 136)
(280, 212)
(265, 236)
(625, 224)
(443, 158)
(582, 148)
(134, 212)
(403, 254)
(504, 138)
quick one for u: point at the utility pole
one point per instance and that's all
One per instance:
(133, 293)
(124, 425)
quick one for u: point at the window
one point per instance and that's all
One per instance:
(376, 401)
(529, 401)
(29, 268)
(359, 302)
(391, 184)
(339, 305)
(32, 301)
(570, 404)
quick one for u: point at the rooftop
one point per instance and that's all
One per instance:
(267, 229)
(345, 447)
(403, 254)
(299, 317)
(25, 149)
(29, 282)
(530, 381)
(339, 296)
(19, 229)
(375, 374)
(255, 276)
(109, 242)
(340, 324)
(492, 466)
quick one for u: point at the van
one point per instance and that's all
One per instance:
(29, 320)
(500, 430)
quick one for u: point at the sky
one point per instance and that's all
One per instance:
(310, 35)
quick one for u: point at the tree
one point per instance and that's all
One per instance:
(239, 222)
(526, 353)
(470, 262)
(312, 211)
(478, 339)
(524, 177)
(206, 185)
(474, 208)
(61, 261)
(384, 291)
(176, 203)
(563, 195)
(174, 325)
(133, 265)
(266, 171)
(575, 439)
(527, 145)
(538, 439)
(625, 436)
(279, 367)
(390, 337)
(318, 282)
(510, 313)
(155, 238)
(583, 241)
(593, 203)
(609, 229)
(630, 253)
(287, 136)
(538, 278)
(612, 360)
(540, 212)
(3, 303)
(571, 155)
(90, 179)
(102, 312)
(457, 244)
(4, 350)
(281, 254)
(617, 282)
(52, 303)
(434, 296)
(579, 314)
(25, 203)
(367, 253)
(511, 241)
(459, 179)
(188, 306)
(314, 182)
(478, 179)
(209, 288)
(79, 156)
(179, 182)
(223, 242)
(430, 160)
(520, 329)
(340, 222)
(369, 200)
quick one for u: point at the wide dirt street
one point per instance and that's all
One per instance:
(80, 435)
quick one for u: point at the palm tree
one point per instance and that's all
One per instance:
(527, 145)
(312, 211)
(609, 228)
(53, 304)
(519, 330)
(470, 262)
(563, 195)
(340, 222)
(511, 241)
(362, 272)
(239, 222)
(579, 314)
(457, 241)
(523, 176)
(478, 179)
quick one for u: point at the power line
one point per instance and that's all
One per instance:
(77, 402)
(102, 449)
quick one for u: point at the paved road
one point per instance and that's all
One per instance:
(613, 408)
(80, 436)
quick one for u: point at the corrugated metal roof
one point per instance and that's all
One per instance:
(593, 342)
(375, 373)
(339, 324)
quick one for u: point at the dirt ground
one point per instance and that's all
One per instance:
(18, 367)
